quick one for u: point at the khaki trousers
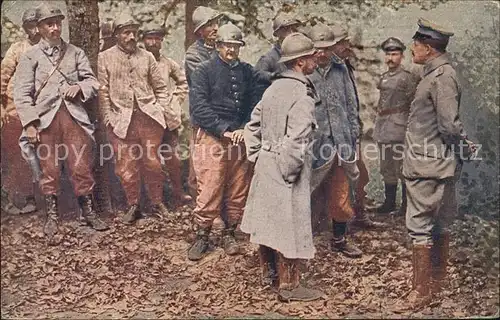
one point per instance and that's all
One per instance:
(137, 157)
(223, 177)
(391, 162)
(64, 136)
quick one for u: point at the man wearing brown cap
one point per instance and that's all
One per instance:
(224, 91)
(106, 37)
(283, 25)
(136, 104)
(17, 176)
(176, 79)
(397, 88)
(435, 147)
(278, 139)
(52, 83)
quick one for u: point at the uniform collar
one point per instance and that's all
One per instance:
(436, 63)
(127, 53)
(202, 43)
(295, 75)
(234, 64)
(396, 71)
(50, 49)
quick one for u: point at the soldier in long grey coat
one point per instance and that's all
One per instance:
(278, 137)
(397, 88)
(51, 85)
(435, 145)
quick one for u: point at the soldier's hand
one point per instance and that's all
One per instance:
(228, 134)
(472, 147)
(237, 136)
(72, 92)
(32, 134)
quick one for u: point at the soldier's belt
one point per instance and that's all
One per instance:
(385, 112)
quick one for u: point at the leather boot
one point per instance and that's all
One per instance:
(30, 205)
(361, 220)
(289, 288)
(339, 241)
(131, 215)
(421, 295)
(230, 245)
(161, 210)
(88, 214)
(402, 209)
(200, 246)
(51, 226)
(439, 260)
(389, 204)
(267, 260)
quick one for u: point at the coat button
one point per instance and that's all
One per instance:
(233, 78)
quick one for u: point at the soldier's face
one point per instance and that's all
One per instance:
(343, 49)
(229, 51)
(153, 42)
(324, 56)
(50, 29)
(127, 38)
(420, 52)
(393, 59)
(31, 29)
(209, 31)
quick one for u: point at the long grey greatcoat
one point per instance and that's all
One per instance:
(278, 138)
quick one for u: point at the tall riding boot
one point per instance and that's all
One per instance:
(339, 241)
(440, 254)
(402, 209)
(51, 227)
(421, 294)
(389, 204)
(88, 214)
(267, 259)
(230, 245)
(200, 246)
(289, 288)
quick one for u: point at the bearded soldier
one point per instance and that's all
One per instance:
(435, 146)
(17, 177)
(278, 136)
(52, 83)
(397, 89)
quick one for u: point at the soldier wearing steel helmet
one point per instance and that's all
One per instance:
(51, 108)
(435, 147)
(223, 93)
(397, 88)
(152, 37)
(283, 25)
(17, 175)
(278, 138)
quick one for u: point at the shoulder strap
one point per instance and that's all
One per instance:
(55, 67)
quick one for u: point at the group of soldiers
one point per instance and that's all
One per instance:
(270, 144)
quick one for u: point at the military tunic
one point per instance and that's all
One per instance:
(431, 166)
(397, 89)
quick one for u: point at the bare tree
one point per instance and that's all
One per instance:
(83, 23)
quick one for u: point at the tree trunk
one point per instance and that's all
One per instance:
(190, 6)
(83, 24)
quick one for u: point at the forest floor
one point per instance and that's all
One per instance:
(142, 271)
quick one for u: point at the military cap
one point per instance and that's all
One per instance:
(229, 33)
(432, 30)
(107, 28)
(322, 36)
(125, 20)
(203, 15)
(296, 45)
(339, 33)
(393, 44)
(284, 20)
(154, 29)
(43, 12)
(29, 15)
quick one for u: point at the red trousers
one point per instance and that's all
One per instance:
(17, 178)
(65, 139)
(137, 157)
(173, 164)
